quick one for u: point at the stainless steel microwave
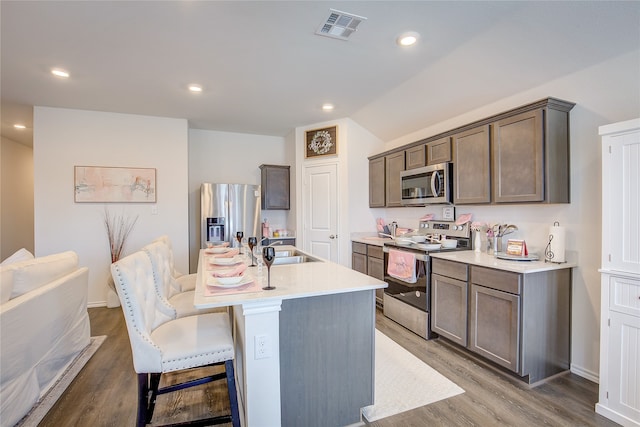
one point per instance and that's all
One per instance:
(429, 185)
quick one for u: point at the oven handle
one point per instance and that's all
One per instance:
(419, 257)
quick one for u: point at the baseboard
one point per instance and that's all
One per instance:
(616, 417)
(97, 304)
(585, 373)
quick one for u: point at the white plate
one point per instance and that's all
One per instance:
(224, 261)
(213, 281)
(530, 257)
(216, 250)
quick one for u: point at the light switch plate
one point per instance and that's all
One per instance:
(449, 213)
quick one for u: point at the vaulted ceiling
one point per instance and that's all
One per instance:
(264, 70)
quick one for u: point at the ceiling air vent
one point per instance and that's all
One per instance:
(340, 25)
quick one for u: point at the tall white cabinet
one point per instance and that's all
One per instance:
(619, 397)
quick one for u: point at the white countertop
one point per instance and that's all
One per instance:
(370, 240)
(291, 281)
(485, 260)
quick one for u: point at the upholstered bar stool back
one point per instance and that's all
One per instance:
(160, 343)
(159, 254)
(185, 282)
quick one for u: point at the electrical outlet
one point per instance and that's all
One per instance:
(262, 347)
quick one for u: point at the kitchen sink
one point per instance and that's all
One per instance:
(292, 257)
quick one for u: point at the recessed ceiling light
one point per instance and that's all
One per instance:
(408, 39)
(327, 107)
(19, 126)
(58, 72)
(195, 88)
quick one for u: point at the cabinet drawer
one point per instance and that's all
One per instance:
(449, 269)
(375, 251)
(497, 279)
(625, 295)
(359, 248)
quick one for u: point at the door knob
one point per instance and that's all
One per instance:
(332, 236)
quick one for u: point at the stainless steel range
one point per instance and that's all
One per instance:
(408, 303)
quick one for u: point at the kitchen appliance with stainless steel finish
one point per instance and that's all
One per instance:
(428, 185)
(226, 209)
(409, 303)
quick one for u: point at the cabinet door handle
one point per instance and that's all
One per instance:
(333, 237)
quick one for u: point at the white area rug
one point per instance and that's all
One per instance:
(404, 382)
(40, 409)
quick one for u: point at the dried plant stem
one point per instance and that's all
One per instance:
(118, 229)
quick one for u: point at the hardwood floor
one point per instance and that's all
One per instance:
(104, 393)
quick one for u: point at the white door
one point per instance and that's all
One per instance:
(320, 205)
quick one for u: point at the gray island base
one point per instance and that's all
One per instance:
(318, 329)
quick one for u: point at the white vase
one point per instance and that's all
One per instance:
(477, 242)
(112, 297)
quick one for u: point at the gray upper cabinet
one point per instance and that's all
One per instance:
(395, 165)
(275, 187)
(518, 163)
(415, 157)
(472, 162)
(517, 156)
(377, 188)
(439, 151)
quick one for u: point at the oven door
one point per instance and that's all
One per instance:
(413, 294)
(409, 303)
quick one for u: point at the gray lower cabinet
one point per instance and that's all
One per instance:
(494, 326)
(377, 187)
(375, 268)
(518, 321)
(327, 349)
(369, 259)
(449, 315)
(449, 300)
(359, 257)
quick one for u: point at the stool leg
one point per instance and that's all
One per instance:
(154, 383)
(143, 399)
(233, 397)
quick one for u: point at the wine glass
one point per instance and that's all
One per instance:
(252, 242)
(239, 236)
(268, 255)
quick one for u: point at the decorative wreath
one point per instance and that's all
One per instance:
(321, 142)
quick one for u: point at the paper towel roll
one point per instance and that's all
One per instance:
(556, 245)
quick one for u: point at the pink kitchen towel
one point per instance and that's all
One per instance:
(402, 266)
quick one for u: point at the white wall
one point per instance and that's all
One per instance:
(16, 198)
(604, 93)
(65, 138)
(234, 158)
(355, 144)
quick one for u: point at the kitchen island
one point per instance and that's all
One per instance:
(305, 350)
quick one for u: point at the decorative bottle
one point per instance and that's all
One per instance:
(477, 242)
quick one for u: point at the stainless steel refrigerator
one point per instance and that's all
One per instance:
(228, 208)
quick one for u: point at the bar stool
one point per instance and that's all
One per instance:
(185, 282)
(159, 254)
(161, 343)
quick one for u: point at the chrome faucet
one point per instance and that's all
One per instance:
(277, 242)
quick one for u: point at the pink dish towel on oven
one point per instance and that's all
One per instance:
(402, 266)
